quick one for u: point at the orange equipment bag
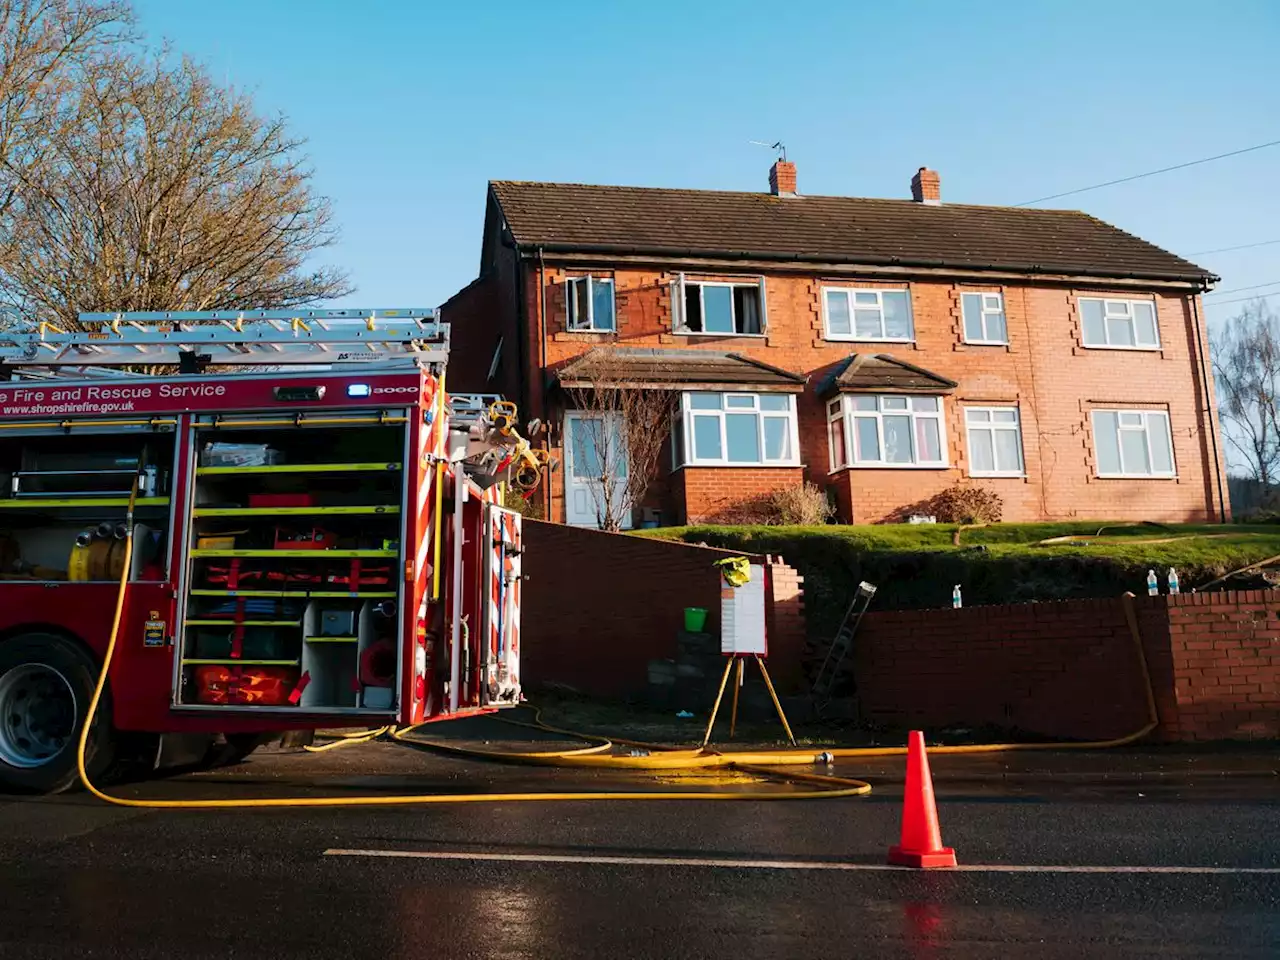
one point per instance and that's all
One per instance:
(261, 686)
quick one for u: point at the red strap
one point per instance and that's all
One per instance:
(237, 636)
(233, 574)
(304, 681)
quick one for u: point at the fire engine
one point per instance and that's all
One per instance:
(318, 530)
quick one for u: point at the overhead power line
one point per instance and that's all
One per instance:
(1260, 296)
(1151, 173)
(1223, 293)
(1243, 246)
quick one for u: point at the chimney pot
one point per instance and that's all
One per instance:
(782, 179)
(926, 187)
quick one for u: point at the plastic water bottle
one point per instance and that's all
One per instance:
(955, 596)
(1153, 584)
(1173, 581)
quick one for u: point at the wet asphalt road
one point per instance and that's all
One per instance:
(82, 879)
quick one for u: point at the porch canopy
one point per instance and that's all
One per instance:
(881, 373)
(649, 368)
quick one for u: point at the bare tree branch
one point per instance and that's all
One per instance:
(141, 185)
(627, 425)
(1246, 367)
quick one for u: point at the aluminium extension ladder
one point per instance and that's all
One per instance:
(841, 644)
(319, 339)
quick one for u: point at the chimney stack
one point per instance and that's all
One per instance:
(926, 187)
(782, 179)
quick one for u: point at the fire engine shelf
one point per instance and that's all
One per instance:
(242, 623)
(294, 575)
(82, 503)
(295, 554)
(298, 594)
(293, 511)
(300, 468)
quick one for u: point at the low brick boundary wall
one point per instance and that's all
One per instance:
(599, 608)
(1070, 669)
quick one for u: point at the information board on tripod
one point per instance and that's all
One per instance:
(744, 592)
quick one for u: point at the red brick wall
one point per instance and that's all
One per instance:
(1226, 660)
(708, 494)
(1070, 669)
(598, 607)
(1045, 371)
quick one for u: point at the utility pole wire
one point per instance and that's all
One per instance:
(1151, 173)
(1260, 296)
(1223, 293)
(1243, 246)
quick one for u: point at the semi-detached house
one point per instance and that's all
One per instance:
(882, 349)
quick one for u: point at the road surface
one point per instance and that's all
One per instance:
(1049, 843)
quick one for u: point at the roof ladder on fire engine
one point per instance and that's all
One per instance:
(262, 338)
(824, 683)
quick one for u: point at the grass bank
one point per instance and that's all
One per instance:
(915, 566)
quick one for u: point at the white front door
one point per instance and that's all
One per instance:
(594, 454)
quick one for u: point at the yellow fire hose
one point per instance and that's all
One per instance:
(834, 786)
(662, 757)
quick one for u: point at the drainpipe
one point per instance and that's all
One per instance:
(542, 374)
(1203, 363)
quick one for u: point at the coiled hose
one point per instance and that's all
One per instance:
(831, 786)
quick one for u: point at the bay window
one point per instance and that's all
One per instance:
(867, 430)
(737, 429)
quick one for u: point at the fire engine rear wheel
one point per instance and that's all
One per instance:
(46, 682)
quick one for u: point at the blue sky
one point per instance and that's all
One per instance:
(411, 107)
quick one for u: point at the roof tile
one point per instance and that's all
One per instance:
(713, 223)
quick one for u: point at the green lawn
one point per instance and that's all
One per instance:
(1215, 547)
(916, 565)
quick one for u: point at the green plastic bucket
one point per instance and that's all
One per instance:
(695, 618)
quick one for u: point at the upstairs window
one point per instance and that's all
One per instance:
(984, 318)
(590, 303)
(886, 431)
(738, 429)
(868, 314)
(731, 309)
(1119, 324)
(1132, 443)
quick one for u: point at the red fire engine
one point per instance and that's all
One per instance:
(317, 533)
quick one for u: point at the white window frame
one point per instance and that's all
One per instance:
(590, 327)
(984, 311)
(1146, 415)
(688, 412)
(847, 411)
(1014, 427)
(852, 335)
(678, 293)
(1107, 304)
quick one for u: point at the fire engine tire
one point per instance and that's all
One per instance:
(46, 683)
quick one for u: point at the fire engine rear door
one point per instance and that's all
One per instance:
(501, 635)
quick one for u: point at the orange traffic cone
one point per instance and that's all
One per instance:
(921, 844)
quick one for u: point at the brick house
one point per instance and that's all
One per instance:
(882, 349)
